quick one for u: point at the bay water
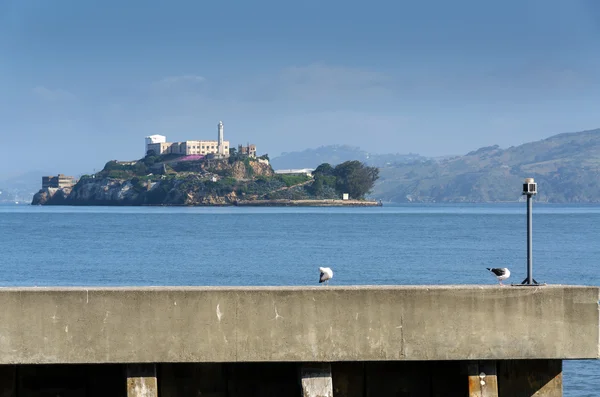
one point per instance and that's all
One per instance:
(391, 245)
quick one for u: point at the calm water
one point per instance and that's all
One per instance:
(413, 244)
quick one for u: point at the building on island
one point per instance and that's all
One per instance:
(302, 171)
(249, 150)
(59, 181)
(152, 139)
(159, 145)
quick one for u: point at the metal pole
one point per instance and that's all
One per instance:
(529, 241)
(529, 189)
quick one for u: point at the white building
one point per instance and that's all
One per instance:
(305, 171)
(154, 139)
(219, 147)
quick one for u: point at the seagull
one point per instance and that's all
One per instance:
(326, 274)
(501, 273)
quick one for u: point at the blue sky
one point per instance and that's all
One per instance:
(83, 82)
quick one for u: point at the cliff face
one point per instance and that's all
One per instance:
(89, 192)
(124, 192)
(50, 195)
(183, 188)
(240, 170)
(104, 191)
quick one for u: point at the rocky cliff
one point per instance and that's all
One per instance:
(110, 191)
(210, 183)
(51, 196)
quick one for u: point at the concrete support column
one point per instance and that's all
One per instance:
(483, 379)
(8, 380)
(316, 380)
(141, 380)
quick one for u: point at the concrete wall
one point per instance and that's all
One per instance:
(299, 324)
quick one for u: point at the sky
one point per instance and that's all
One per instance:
(82, 82)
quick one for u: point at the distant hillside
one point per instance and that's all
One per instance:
(565, 166)
(20, 187)
(336, 154)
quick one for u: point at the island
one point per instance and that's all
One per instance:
(239, 179)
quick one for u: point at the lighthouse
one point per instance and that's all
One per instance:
(220, 147)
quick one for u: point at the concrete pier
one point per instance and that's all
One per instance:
(316, 380)
(354, 341)
(483, 379)
(141, 380)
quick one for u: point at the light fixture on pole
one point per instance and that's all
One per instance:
(530, 190)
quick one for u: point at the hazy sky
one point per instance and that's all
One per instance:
(84, 82)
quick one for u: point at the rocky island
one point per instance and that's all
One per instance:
(184, 180)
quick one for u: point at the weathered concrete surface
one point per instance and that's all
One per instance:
(483, 379)
(316, 380)
(302, 324)
(141, 380)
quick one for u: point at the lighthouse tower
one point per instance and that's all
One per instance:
(220, 147)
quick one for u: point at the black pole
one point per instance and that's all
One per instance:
(529, 241)
(529, 189)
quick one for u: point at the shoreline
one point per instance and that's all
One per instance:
(239, 203)
(308, 203)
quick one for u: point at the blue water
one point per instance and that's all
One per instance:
(409, 244)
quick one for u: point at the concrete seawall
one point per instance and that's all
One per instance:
(356, 341)
(324, 324)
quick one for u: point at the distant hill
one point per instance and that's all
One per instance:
(336, 154)
(20, 187)
(565, 166)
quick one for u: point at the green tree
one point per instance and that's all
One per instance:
(321, 183)
(324, 169)
(355, 178)
(150, 160)
(113, 166)
(140, 168)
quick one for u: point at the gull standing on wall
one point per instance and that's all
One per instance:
(501, 273)
(326, 275)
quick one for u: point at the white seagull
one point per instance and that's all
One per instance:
(501, 273)
(326, 274)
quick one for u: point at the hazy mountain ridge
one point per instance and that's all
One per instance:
(336, 154)
(566, 167)
(20, 187)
